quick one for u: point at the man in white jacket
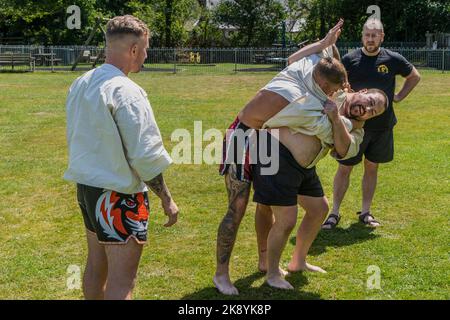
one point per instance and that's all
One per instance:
(115, 152)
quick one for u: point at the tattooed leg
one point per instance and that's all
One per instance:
(238, 194)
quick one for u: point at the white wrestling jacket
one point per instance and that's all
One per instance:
(304, 113)
(113, 139)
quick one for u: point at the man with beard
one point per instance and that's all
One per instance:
(296, 181)
(372, 67)
(306, 84)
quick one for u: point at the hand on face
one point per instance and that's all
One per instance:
(331, 110)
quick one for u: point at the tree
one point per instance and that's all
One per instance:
(404, 20)
(44, 22)
(170, 19)
(296, 12)
(257, 21)
(205, 32)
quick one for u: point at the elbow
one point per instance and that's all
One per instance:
(341, 153)
(418, 77)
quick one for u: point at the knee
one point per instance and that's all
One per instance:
(344, 171)
(370, 167)
(263, 210)
(319, 212)
(287, 224)
(124, 282)
(95, 272)
(235, 212)
(290, 224)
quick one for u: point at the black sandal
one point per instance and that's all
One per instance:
(330, 222)
(363, 218)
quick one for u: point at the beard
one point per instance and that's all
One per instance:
(349, 115)
(373, 48)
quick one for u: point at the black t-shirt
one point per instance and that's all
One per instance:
(365, 72)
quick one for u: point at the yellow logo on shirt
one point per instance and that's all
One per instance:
(383, 69)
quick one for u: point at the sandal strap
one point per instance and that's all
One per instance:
(363, 216)
(332, 215)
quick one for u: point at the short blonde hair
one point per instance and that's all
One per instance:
(126, 25)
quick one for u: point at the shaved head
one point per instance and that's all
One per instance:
(120, 27)
(372, 36)
(373, 24)
(127, 41)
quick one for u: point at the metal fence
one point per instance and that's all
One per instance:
(195, 60)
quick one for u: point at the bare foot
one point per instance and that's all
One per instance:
(283, 272)
(277, 281)
(262, 268)
(296, 267)
(224, 285)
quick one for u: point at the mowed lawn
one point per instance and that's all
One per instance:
(42, 234)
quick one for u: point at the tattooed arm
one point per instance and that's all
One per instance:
(159, 187)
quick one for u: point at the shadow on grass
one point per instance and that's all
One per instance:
(339, 237)
(264, 292)
(14, 71)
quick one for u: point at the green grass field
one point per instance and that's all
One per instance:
(42, 233)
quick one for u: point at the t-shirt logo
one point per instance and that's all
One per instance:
(383, 69)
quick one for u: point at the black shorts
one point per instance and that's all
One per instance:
(114, 217)
(236, 150)
(283, 187)
(377, 147)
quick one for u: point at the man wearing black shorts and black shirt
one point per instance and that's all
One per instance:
(372, 67)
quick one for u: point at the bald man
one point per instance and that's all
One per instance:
(372, 67)
(115, 153)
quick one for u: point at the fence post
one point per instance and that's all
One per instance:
(174, 60)
(235, 60)
(51, 57)
(443, 59)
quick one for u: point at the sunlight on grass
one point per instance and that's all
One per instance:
(42, 230)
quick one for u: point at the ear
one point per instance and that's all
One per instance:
(363, 91)
(134, 49)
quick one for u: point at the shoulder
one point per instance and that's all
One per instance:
(82, 80)
(399, 62)
(393, 55)
(354, 55)
(125, 90)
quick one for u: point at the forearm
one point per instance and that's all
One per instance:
(329, 40)
(159, 187)
(308, 50)
(408, 86)
(336, 53)
(342, 138)
(411, 81)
